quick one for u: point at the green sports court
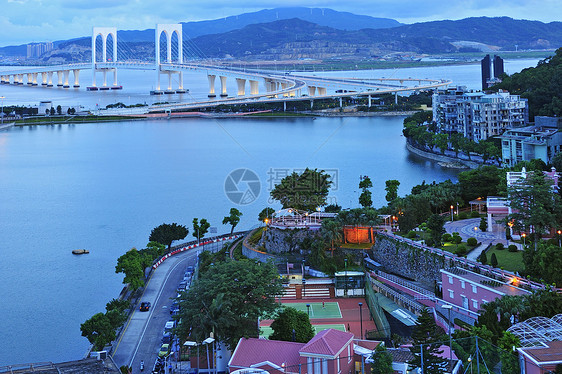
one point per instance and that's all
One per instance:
(266, 331)
(329, 310)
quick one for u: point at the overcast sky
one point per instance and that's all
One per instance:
(23, 21)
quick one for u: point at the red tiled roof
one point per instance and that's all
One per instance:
(253, 351)
(328, 342)
(551, 353)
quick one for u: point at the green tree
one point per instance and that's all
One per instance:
(426, 337)
(331, 230)
(305, 191)
(59, 110)
(365, 199)
(116, 304)
(534, 204)
(130, 264)
(200, 228)
(332, 208)
(493, 260)
(227, 299)
(483, 258)
(557, 161)
(483, 226)
(292, 325)
(382, 361)
(233, 219)
(391, 189)
(544, 263)
(266, 213)
(98, 330)
(435, 226)
(167, 233)
(480, 182)
(365, 183)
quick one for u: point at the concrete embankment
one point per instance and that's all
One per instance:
(442, 158)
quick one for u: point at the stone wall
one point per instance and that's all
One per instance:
(408, 261)
(441, 158)
(284, 241)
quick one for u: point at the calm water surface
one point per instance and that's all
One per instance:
(103, 187)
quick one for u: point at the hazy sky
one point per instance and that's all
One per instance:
(23, 21)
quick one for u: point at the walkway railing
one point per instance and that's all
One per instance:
(402, 299)
(406, 284)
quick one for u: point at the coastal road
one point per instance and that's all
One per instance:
(141, 338)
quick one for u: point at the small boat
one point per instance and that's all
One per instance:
(80, 251)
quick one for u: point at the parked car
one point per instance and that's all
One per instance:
(169, 326)
(164, 350)
(144, 306)
(167, 338)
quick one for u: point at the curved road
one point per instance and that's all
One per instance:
(141, 338)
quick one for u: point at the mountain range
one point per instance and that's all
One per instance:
(289, 33)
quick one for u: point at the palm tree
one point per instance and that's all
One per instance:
(331, 231)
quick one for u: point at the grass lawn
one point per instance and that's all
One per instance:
(450, 247)
(356, 245)
(512, 261)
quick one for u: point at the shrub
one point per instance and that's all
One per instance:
(411, 234)
(447, 237)
(456, 239)
(461, 250)
(493, 260)
(512, 248)
(483, 258)
(472, 242)
(474, 214)
(500, 247)
(463, 215)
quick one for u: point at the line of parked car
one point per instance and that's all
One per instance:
(168, 335)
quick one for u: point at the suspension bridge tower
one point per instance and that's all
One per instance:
(169, 51)
(102, 62)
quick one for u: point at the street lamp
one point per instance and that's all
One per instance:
(308, 310)
(524, 235)
(193, 344)
(559, 232)
(207, 342)
(345, 262)
(361, 318)
(449, 307)
(452, 211)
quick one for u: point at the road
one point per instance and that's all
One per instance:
(141, 338)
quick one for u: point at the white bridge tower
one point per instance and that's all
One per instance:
(165, 65)
(103, 64)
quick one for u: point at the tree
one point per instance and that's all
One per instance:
(544, 263)
(52, 111)
(292, 325)
(426, 337)
(266, 213)
(305, 191)
(59, 110)
(167, 233)
(480, 182)
(382, 361)
(331, 230)
(534, 204)
(483, 226)
(227, 299)
(332, 208)
(493, 260)
(131, 265)
(391, 189)
(483, 258)
(557, 161)
(233, 218)
(200, 228)
(365, 199)
(435, 226)
(98, 330)
(116, 304)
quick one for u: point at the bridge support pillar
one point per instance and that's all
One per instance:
(66, 74)
(311, 90)
(50, 79)
(321, 91)
(34, 79)
(211, 79)
(114, 77)
(18, 79)
(180, 84)
(223, 86)
(284, 106)
(241, 83)
(76, 78)
(311, 104)
(104, 78)
(59, 77)
(284, 86)
(369, 99)
(396, 98)
(169, 80)
(29, 79)
(254, 87)
(341, 102)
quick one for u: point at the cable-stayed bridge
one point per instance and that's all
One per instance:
(175, 55)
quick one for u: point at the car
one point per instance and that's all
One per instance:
(169, 326)
(167, 338)
(164, 350)
(145, 306)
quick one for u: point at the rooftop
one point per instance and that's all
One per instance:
(501, 287)
(250, 352)
(328, 342)
(86, 366)
(549, 353)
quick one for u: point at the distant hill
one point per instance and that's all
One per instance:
(322, 17)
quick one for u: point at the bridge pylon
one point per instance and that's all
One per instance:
(101, 66)
(164, 66)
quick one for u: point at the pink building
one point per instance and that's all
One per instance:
(541, 359)
(329, 352)
(468, 290)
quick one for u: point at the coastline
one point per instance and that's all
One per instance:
(442, 158)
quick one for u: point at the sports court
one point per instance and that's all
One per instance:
(341, 314)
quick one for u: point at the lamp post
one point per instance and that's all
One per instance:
(303, 288)
(559, 232)
(449, 307)
(308, 310)
(452, 211)
(345, 280)
(457, 208)
(192, 344)
(207, 342)
(524, 243)
(361, 318)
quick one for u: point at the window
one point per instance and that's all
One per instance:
(474, 290)
(451, 294)
(349, 353)
(317, 366)
(309, 365)
(338, 361)
(462, 284)
(450, 280)
(475, 304)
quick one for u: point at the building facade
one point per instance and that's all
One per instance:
(35, 50)
(477, 115)
(542, 140)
